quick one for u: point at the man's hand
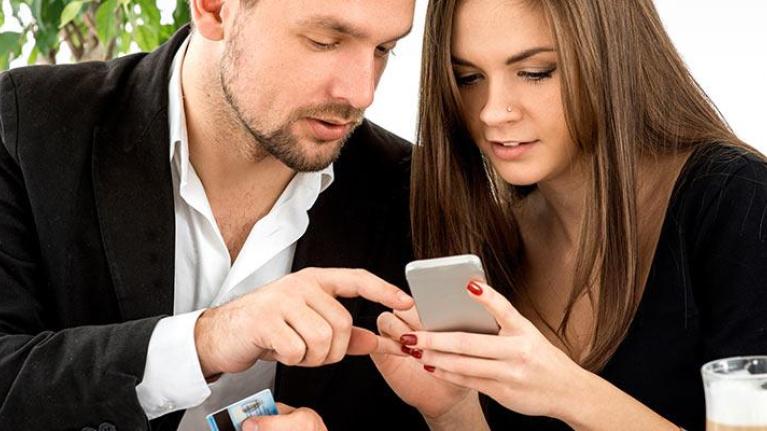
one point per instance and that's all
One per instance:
(289, 419)
(295, 320)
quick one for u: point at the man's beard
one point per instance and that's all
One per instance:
(281, 143)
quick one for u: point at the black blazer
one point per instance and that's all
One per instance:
(87, 248)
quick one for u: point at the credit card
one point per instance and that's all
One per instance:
(231, 417)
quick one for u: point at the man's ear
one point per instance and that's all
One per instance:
(206, 15)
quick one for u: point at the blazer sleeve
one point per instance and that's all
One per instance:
(71, 378)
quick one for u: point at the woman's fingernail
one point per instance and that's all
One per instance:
(474, 288)
(428, 368)
(406, 350)
(408, 340)
(416, 353)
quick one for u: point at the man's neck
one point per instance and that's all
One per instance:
(241, 187)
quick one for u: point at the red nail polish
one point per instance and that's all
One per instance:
(428, 368)
(474, 288)
(408, 340)
(406, 350)
(416, 353)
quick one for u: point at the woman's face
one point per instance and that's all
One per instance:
(505, 64)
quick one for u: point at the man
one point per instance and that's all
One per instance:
(189, 183)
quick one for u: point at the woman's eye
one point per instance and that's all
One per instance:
(536, 76)
(467, 80)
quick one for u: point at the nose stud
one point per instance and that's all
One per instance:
(508, 108)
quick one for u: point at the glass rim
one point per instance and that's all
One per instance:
(707, 368)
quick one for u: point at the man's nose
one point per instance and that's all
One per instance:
(356, 84)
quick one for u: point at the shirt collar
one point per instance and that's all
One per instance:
(179, 140)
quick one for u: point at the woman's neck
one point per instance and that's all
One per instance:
(557, 207)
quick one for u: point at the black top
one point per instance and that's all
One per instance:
(706, 294)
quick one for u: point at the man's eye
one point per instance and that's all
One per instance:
(383, 51)
(322, 46)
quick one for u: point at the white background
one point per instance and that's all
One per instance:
(724, 43)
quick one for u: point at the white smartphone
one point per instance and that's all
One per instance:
(439, 289)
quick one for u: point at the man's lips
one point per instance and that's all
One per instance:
(329, 129)
(334, 121)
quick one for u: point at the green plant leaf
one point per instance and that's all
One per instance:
(166, 32)
(47, 39)
(146, 39)
(150, 13)
(10, 42)
(181, 14)
(32, 59)
(10, 48)
(70, 12)
(47, 14)
(2, 15)
(37, 10)
(52, 12)
(15, 6)
(106, 21)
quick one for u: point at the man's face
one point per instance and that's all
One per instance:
(298, 74)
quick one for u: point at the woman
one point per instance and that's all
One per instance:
(566, 144)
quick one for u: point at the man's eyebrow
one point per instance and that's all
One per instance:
(335, 25)
(457, 61)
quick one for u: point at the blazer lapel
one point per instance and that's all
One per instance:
(133, 187)
(135, 209)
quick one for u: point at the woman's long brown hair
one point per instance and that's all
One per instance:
(626, 94)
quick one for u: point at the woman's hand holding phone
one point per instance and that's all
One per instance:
(519, 367)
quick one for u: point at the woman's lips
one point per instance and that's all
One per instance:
(511, 150)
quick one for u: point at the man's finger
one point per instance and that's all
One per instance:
(284, 409)
(315, 331)
(287, 346)
(340, 321)
(364, 342)
(349, 283)
(298, 419)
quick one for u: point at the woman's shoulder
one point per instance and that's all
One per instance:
(714, 169)
(720, 164)
(722, 184)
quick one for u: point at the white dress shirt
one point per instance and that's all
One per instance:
(205, 277)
